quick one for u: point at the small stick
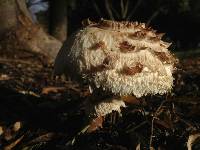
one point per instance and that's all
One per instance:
(152, 123)
(138, 126)
(71, 142)
(151, 137)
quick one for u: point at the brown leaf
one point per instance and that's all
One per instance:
(138, 147)
(130, 99)
(8, 134)
(95, 124)
(13, 144)
(1, 130)
(17, 126)
(163, 124)
(43, 138)
(47, 90)
(192, 138)
(4, 77)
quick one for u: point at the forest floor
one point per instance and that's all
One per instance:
(38, 112)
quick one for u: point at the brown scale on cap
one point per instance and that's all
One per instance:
(154, 39)
(162, 56)
(138, 34)
(166, 57)
(160, 35)
(149, 30)
(146, 33)
(142, 48)
(165, 44)
(126, 47)
(132, 70)
(107, 64)
(100, 44)
(119, 25)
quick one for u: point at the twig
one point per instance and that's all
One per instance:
(115, 12)
(71, 142)
(152, 123)
(157, 111)
(138, 126)
(151, 137)
(188, 101)
(13, 144)
(125, 10)
(134, 9)
(42, 138)
(191, 140)
(7, 60)
(97, 8)
(153, 16)
(122, 7)
(107, 5)
(28, 92)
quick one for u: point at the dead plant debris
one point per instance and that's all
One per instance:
(38, 112)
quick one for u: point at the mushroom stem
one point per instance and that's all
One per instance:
(98, 106)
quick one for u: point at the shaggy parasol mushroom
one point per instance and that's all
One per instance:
(120, 58)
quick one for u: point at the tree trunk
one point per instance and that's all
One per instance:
(8, 14)
(18, 31)
(58, 19)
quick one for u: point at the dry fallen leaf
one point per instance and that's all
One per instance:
(164, 124)
(138, 147)
(95, 124)
(152, 148)
(4, 77)
(130, 99)
(7, 134)
(13, 144)
(29, 93)
(43, 138)
(1, 130)
(47, 90)
(192, 138)
(17, 126)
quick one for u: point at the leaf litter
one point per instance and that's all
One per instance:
(40, 112)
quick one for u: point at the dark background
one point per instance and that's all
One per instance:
(179, 19)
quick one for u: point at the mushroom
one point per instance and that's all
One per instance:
(117, 58)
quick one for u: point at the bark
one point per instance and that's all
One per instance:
(8, 14)
(18, 30)
(58, 19)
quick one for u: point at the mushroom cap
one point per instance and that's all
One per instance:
(123, 58)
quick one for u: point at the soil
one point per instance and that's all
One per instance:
(39, 111)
